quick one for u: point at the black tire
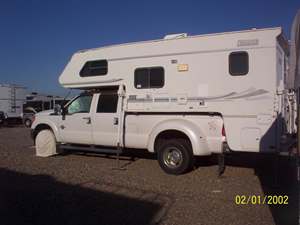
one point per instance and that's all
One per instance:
(175, 156)
(27, 123)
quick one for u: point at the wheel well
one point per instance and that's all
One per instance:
(39, 128)
(169, 134)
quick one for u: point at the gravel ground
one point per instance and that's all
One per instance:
(84, 189)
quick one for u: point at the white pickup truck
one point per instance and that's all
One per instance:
(98, 121)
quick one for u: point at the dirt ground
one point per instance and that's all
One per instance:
(84, 189)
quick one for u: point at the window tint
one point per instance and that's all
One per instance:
(141, 78)
(81, 104)
(156, 77)
(94, 68)
(107, 103)
(152, 77)
(238, 63)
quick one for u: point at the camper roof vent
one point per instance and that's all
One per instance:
(175, 36)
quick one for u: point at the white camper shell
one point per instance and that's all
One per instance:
(208, 90)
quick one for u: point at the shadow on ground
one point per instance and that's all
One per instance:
(265, 167)
(277, 175)
(40, 199)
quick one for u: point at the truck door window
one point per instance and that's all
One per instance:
(238, 63)
(107, 103)
(81, 104)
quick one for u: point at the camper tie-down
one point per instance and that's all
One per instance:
(179, 97)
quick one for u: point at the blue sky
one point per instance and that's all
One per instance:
(37, 38)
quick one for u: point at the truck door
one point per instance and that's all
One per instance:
(105, 119)
(76, 127)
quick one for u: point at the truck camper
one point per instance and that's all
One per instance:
(178, 97)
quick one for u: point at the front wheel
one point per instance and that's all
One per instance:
(175, 156)
(45, 143)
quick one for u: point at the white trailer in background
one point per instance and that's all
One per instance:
(41, 102)
(36, 102)
(178, 97)
(12, 98)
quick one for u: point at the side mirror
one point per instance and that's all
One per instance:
(63, 112)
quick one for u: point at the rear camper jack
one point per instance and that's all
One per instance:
(221, 159)
(117, 165)
(221, 163)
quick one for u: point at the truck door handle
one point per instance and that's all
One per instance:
(88, 119)
(116, 120)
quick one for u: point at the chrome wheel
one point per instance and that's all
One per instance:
(172, 157)
(175, 156)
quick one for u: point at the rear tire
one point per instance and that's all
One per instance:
(45, 144)
(175, 156)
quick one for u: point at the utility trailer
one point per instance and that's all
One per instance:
(12, 98)
(178, 97)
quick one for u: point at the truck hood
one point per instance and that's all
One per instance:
(45, 112)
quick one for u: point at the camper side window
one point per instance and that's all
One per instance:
(94, 68)
(238, 63)
(152, 77)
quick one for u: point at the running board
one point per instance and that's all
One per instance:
(91, 149)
